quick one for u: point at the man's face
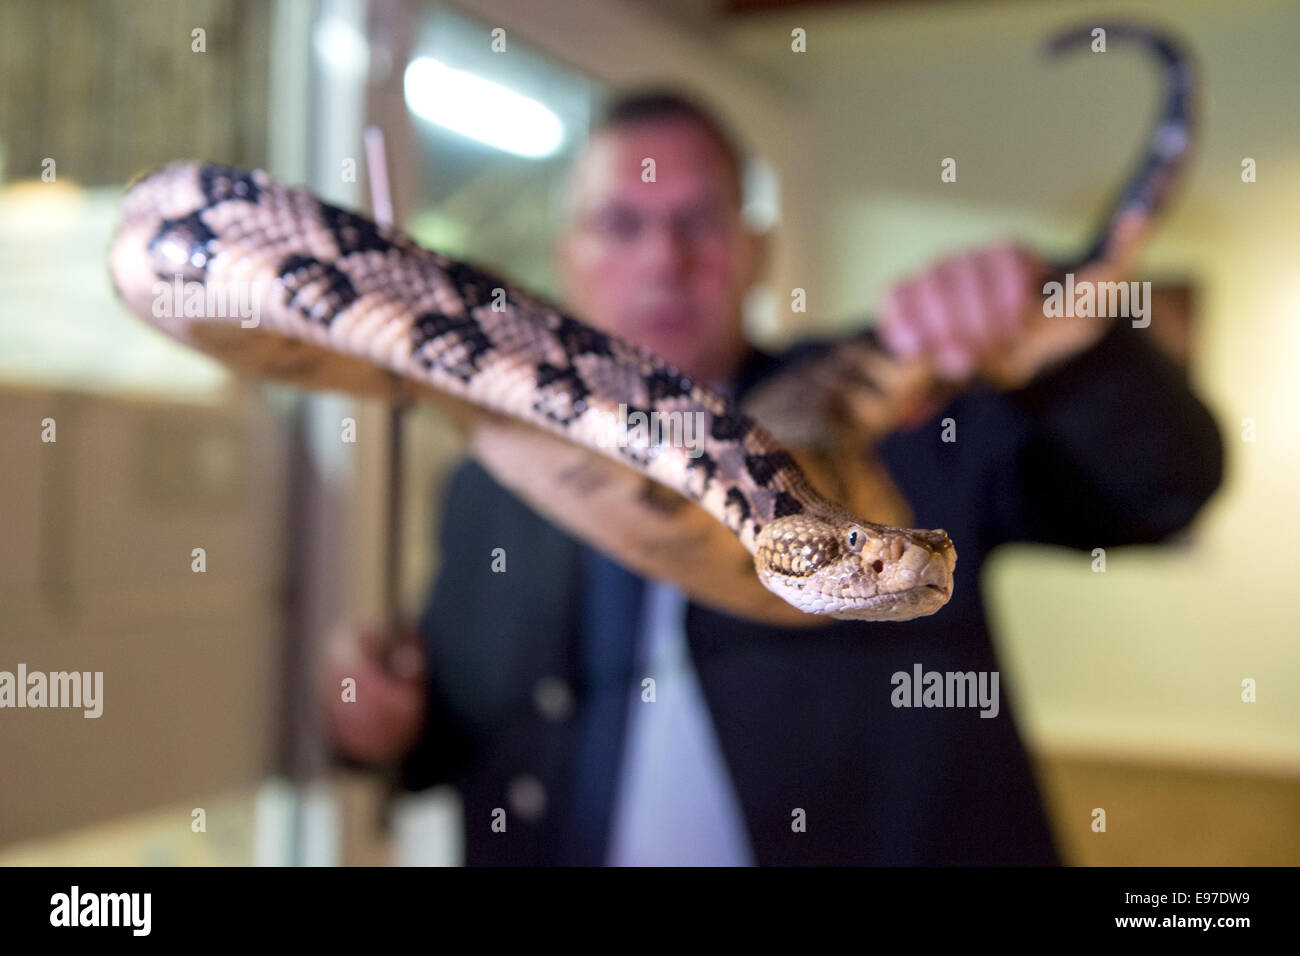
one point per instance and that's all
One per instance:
(663, 264)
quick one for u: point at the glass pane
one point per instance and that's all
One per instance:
(126, 451)
(482, 201)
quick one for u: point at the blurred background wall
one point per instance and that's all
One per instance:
(1128, 683)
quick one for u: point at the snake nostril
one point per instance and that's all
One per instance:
(878, 566)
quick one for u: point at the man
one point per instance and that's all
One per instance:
(766, 745)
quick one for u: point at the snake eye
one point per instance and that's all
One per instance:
(854, 539)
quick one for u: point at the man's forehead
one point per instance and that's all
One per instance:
(688, 166)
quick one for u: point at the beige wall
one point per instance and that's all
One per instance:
(96, 575)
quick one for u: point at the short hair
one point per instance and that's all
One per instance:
(663, 104)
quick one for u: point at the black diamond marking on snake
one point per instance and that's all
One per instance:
(729, 426)
(575, 387)
(220, 183)
(643, 422)
(661, 384)
(332, 290)
(736, 499)
(474, 287)
(353, 233)
(785, 504)
(763, 468)
(578, 339)
(707, 462)
(431, 326)
(640, 425)
(189, 235)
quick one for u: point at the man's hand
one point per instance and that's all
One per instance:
(982, 312)
(388, 714)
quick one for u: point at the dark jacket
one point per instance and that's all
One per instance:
(528, 696)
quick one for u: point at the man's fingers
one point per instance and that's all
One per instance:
(1008, 272)
(402, 657)
(389, 708)
(963, 310)
(970, 301)
(937, 317)
(406, 661)
(383, 720)
(919, 318)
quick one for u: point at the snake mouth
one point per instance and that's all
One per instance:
(898, 605)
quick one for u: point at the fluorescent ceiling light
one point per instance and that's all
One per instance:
(340, 45)
(480, 109)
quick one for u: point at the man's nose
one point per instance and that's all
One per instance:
(665, 249)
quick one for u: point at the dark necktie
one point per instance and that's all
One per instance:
(611, 610)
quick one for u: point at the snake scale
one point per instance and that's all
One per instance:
(346, 304)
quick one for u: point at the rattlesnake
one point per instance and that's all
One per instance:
(349, 305)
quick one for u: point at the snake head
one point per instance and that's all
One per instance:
(854, 570)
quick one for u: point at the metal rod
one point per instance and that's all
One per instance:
(381, 202)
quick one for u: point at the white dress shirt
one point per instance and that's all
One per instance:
(675, 803)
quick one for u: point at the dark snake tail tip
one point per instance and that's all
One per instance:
(1169, 51)
(1150, 184)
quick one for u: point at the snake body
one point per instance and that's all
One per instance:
(347, 304)
(342, 301)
